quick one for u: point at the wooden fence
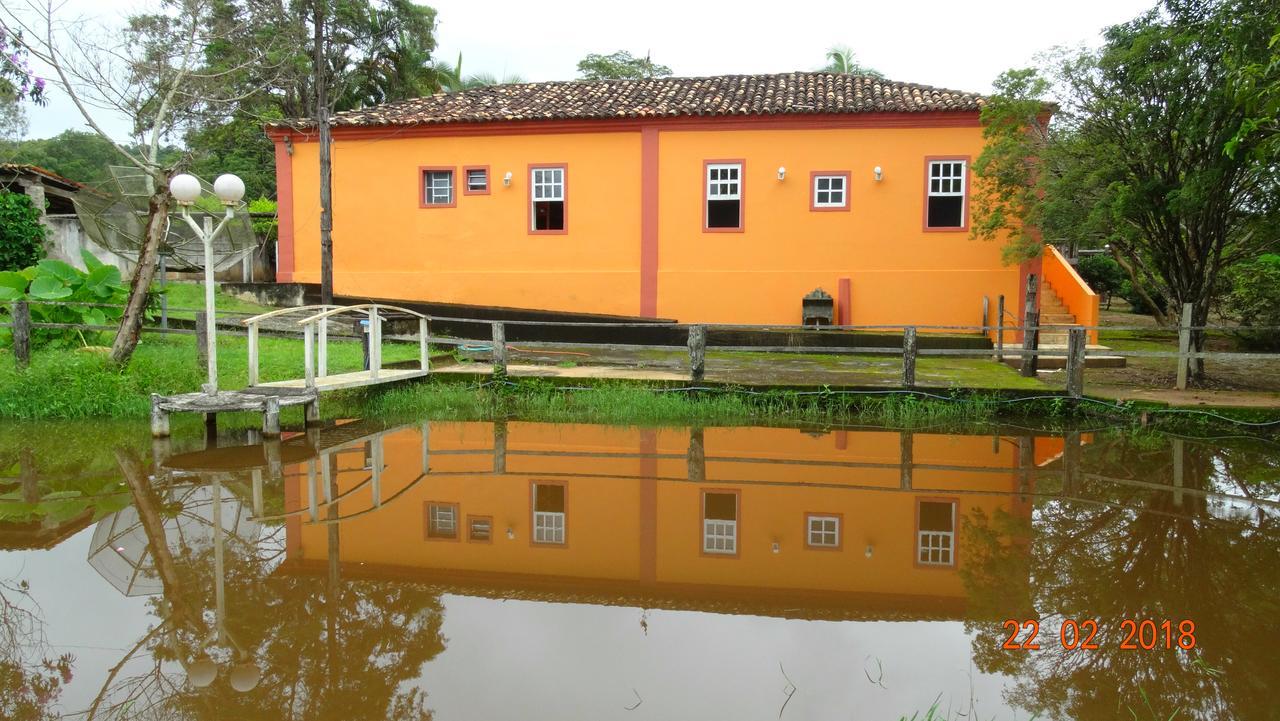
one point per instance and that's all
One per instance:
(1076, 353)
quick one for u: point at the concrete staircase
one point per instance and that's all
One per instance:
(1055, 320)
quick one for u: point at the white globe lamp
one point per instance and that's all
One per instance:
(185, 188)
(229, 188)
(202, 672)
(245, 677)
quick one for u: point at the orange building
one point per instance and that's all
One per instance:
(713, 200)
(703, 200)
(756, 516)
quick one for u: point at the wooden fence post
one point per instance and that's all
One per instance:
(1000, 329)
(202, 338)
(1030, 331)
(308, 354)
(322, 348)
(1076, 341)
(986, 314)
(909, 343)
(906, 459)
(271, 417)
(499, 350)
(1184, 346)
(697, 352)
(253, 353)
(22, 333)
(499, 447)
(159, 418)
(696, 458)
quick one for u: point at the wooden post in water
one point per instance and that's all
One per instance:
(1184, 346)
(312, 410)
(697, 456)
(271, 417)
(499, 351)
(1030, 331)
(202, 338)
(907, 456)
(697, 352)
(22, 334)
(1076, 342)
(499, 447)
(1179, 448)
(159, 418)
(909, 343)
(1000, 329)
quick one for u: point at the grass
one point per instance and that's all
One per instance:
(64, 383)
(191, 295)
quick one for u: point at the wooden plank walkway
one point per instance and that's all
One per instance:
(340, 381)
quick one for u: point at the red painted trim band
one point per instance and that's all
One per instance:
(649, 223)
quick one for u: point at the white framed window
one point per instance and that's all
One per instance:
(720, 522)
(830, 191)
(548, 513)
(946, 194)
(547, 194)
(724, 196)
(437, 187)
(936, 534)
(442, 520)
(477, 181)
(824, 531)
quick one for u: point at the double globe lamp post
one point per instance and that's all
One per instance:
(186, 190)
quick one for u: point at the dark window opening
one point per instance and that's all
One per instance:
(548, 215)
(937, 516)
(724, 213)
(480, 529)
(477, 180)
(548, 498)
(720, 506)
(946, 211)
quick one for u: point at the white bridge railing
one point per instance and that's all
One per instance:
(315, 334)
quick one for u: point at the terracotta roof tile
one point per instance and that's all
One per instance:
(726, 95)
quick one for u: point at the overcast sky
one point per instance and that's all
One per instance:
(936, 42)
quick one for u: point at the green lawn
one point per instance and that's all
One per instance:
(191, 296)
(82, 383)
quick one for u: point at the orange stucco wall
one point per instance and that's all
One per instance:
(616, 258)
(638, 519)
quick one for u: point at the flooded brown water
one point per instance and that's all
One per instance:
(550, 571)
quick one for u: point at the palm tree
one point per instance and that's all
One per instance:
(841, 59)
(449, 78)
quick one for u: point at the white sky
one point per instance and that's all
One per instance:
(937, 42)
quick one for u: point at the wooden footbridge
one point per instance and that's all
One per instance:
(268, 397)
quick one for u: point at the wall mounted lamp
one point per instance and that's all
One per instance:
(782, 172)
(506, 179)
(869, 549)
(879, 173)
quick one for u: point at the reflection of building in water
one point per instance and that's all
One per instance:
(778, 520)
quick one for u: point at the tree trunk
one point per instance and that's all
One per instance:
(1161, 317)
(131, 322)
(326, 160)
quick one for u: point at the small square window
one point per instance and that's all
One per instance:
(437, 188)
(823, 531)
(477, 181)
(830, 191)
(442, 521)
(479, 528)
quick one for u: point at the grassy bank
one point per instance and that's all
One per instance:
(82, 384)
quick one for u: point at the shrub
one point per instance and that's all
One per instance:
(21, 234)
(264, 228)
(1102, 273)
(1254, 300)
(54, 280)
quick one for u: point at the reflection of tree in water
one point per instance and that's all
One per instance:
(30, 676)
(328, 648)
(1133, 553)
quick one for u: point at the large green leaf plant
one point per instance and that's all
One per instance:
(58, 292)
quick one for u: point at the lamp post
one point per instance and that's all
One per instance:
(186, 190)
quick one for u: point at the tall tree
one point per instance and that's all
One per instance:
(18, 82)
(842, 59)
(621, 65)
(147, 71)
(1137, 155)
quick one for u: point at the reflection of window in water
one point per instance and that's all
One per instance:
(824, 531)
(935, 539)
(720, 522)
(479, 528)
(442, 520)
(548, 513)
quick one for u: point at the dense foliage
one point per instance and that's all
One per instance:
(21, 234)
(1254, 300)
(1143, 152)
(620, 65)
(74, 154)
(95, 297)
